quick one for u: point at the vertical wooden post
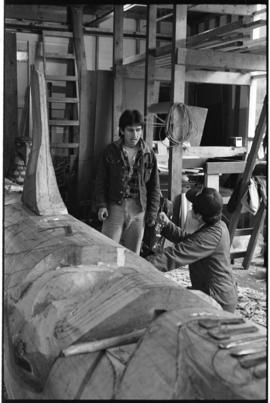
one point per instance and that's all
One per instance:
(10, 106)
(149, 70)
(77, 24)
(118, 23)
(177, 95)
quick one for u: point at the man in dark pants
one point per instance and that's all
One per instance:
(127, 184)
(206, 251)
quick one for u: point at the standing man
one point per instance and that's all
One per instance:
(206, 250)
(127, 184)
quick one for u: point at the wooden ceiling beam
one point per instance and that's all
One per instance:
(37, 12)
(37, 27)
(220, 60)
(34, 27)
(237, 9)
(192, 76)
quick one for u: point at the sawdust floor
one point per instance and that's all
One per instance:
(251, 284)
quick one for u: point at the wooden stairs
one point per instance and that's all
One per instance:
(61, 76)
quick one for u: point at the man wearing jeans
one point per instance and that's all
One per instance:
(127, 184)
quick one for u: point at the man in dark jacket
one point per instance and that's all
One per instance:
(127, 184)
(206, 251)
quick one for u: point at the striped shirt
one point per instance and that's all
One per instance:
(131, 166)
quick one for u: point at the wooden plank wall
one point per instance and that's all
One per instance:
(103, 113)
(10, 105)
(99, 89)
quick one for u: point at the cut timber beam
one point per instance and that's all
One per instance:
(213, 152)
(57, 14)
(220, 60)
(40, 191)
(192, 76)
(218, 77)
(223, 9)
(228, 167)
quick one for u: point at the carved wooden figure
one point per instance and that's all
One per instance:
(85, 318)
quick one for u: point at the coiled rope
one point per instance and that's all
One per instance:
(178, 133)
(178, 130)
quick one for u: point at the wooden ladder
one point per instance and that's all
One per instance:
(240, 192)
(61, 78)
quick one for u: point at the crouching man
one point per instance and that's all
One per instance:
(206, 251)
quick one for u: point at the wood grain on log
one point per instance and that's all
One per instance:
(40, 192)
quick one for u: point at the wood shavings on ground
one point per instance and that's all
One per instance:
(251, 302)
(181, 276)
(252, 305)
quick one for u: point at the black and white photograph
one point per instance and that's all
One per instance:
(135, 201)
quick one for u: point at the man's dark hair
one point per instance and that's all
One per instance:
(207, 202)
(130, 118)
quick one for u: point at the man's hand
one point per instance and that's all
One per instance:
(163, 218)
(159, 260)
(103, 214)
(149, 221)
